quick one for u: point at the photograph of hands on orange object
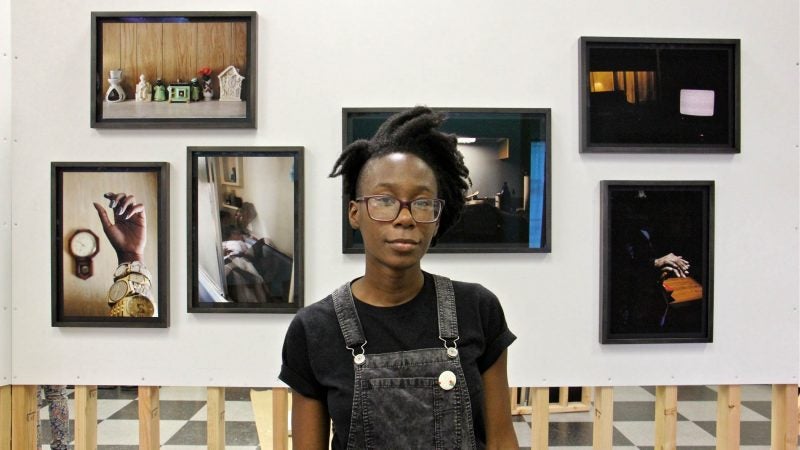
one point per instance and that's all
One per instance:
(108, 252)
(658, 269)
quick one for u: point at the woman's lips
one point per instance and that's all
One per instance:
(403, 244)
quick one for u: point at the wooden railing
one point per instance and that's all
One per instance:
(19, 416)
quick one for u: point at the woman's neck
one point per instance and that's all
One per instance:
(379, 288)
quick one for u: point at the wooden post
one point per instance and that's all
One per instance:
(540, 417)
(784, 417)
(5, 417)
(563, 396)
(280, 418)
(85, 417)
(728, 417)
(603, 429)
(149, 417)
(666, 417)
(24, 417)
(216, 418)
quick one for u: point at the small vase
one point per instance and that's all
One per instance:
(208, 91)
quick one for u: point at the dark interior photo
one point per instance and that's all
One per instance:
(660, 94)
(658, 261)
(506, 153)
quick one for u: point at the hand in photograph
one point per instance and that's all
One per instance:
(128, 233)
(672, 263)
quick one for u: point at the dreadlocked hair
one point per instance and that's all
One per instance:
(414, 131)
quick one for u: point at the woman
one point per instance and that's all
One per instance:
(401, 358)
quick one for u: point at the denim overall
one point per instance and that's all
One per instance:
(408, 399)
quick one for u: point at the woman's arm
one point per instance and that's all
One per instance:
(497, 407)
(310, 423)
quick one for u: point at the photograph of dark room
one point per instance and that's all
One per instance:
(659, 95)
(507, 152)
(657, 262)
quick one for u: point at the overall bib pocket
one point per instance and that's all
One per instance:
(408, 413)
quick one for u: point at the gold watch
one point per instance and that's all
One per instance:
(133, 306)
(132, 284)
(128, 268)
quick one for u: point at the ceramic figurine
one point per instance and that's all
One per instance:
(115, 93)
(159, 91)
(230, 85)
(208, 90)
(144, 91)
(195, 90)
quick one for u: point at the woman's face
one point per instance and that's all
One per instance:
(400, 244)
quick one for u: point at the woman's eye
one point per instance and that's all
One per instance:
(385, 201)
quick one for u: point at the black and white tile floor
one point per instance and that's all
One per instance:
(183, 420)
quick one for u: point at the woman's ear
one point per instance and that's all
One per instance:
(352, 214)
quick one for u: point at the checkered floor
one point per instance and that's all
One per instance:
(183, 415)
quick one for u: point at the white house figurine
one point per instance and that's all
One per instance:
(230, 85)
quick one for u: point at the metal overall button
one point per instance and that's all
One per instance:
(452, 352)
(359, 359)
(447, 380)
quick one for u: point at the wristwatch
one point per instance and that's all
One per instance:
(133, 306)
(127, 268)
(132, 284)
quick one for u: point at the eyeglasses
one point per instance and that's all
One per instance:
(385, 208)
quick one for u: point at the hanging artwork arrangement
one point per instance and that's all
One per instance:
(653, 95)
(173, 69)
(657, 261)
(110, 260)
(245, 235)
(507, 152)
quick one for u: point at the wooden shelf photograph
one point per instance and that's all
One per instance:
(173, 70)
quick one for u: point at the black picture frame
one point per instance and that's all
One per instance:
(647, 295)
(659, 95)
(251, 227)
(75, 186)
(187, 42)
(520, 222)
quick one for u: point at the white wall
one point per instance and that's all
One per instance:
(315, 57)
(5, 192)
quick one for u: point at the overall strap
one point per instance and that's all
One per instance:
(345, 309)
(446, 306)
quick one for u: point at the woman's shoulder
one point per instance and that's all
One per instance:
(470, 292)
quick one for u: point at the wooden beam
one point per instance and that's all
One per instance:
(5, 417)
(603, 429)
(540, 417)
(563, 396)
(149, 417)
(729, 404)
(784, 417)
(216, 418)
(280, 418)
(666, 417)
(85, 417)
(24, 417)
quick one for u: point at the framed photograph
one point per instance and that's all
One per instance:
(657, 256)
(110, 244)
(230, 167)
(653, 95)
(173, 69)
(245, 238)
(507, 152)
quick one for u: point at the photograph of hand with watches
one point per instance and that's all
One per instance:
(130, 295)
(109, 246)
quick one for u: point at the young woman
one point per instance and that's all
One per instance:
(401, 358)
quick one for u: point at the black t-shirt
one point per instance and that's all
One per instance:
(316, 363)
